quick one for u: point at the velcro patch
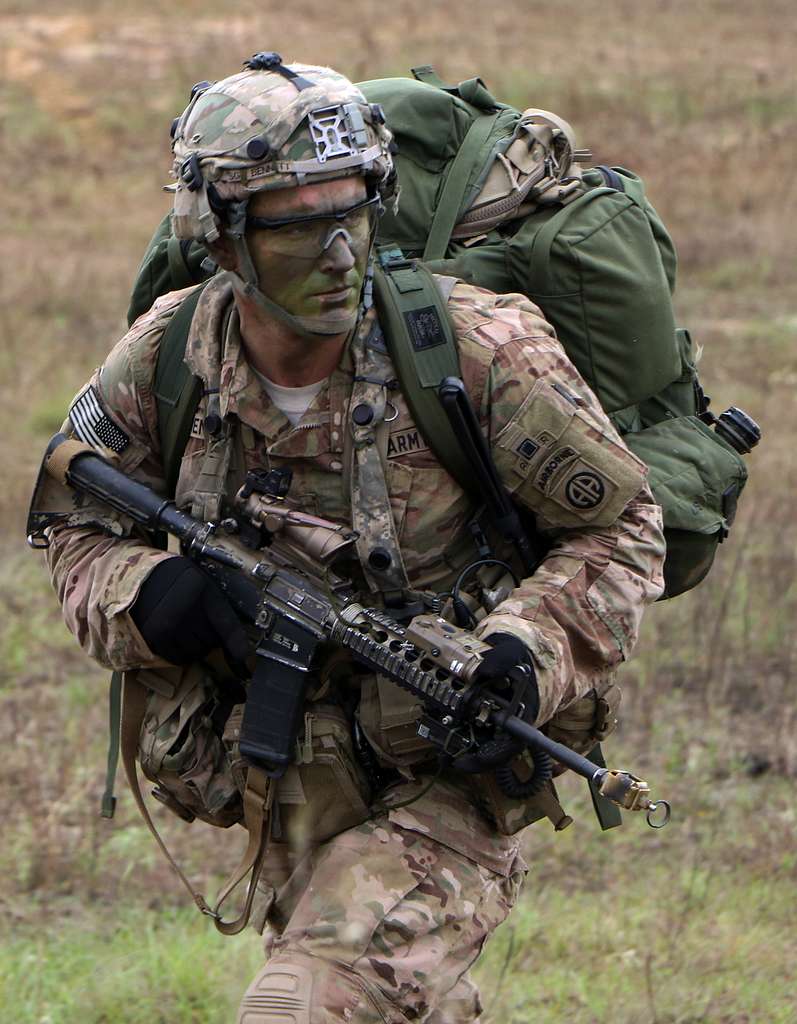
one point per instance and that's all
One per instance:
(92, 424)
(425, 328)
(404, 442)
(198, 426)
(581, 472)
(560, 458)
(585, 489)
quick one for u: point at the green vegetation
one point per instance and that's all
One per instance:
(692, 925)
(141, 966)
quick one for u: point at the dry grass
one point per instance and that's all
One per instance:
(699, 98)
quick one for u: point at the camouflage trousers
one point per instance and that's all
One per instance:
(383, 922)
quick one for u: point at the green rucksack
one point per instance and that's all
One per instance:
(495, 197)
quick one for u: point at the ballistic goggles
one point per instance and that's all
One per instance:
(311, 235)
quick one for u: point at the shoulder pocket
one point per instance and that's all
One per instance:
(563, 463)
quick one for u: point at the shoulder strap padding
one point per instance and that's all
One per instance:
(422, 345)
(177, 390)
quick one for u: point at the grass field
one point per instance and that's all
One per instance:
(692, 924)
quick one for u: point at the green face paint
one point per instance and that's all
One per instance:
(305, 254)
(326, 286)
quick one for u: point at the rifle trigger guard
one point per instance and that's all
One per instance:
(653, 808)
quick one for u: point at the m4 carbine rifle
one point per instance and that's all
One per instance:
(289, 594)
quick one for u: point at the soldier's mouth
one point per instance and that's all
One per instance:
(338, 295)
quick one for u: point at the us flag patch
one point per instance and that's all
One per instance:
(92, 424)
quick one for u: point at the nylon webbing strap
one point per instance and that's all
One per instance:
(607, 812)
(108, 805)
(611, 177)
(445, 217)
(177, 391)
(134, 707)
(176, 251)
(426, 73)
(422, 346)
(258, 799)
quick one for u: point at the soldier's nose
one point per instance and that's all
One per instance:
(337, 254)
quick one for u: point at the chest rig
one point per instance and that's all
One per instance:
(370, 412)
(368, 416)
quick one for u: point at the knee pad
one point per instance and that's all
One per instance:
(280, 993)
(297, 988)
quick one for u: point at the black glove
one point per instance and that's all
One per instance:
(182, 616)
(507, 652)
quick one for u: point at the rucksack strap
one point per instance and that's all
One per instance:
(472, 90)
(426, 73)
(177, 255)
(422, 345)
(177, 390)
(471, 152)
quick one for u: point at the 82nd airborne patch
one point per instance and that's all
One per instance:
(585, 490)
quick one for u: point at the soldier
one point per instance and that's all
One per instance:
(283, 171)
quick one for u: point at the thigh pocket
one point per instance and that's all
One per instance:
(359, 879)
(325, 792)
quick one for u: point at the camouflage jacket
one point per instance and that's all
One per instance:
(554, 447)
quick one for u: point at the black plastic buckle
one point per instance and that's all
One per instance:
(191, 173)
(702, 403)
(199, 87)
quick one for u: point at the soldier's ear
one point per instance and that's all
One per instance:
(223, 253)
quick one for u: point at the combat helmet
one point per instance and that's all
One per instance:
(271, 126)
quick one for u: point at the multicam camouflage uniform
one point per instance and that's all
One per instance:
(579, 613)
(381, 921)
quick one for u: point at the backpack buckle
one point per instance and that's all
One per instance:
(394, 259)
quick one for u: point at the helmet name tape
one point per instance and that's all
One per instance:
(337, 131)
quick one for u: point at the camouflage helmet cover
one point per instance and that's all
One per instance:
(267, 129)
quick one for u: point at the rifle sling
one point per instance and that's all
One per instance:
(607, 812)
(258, 799)
(108, 805)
